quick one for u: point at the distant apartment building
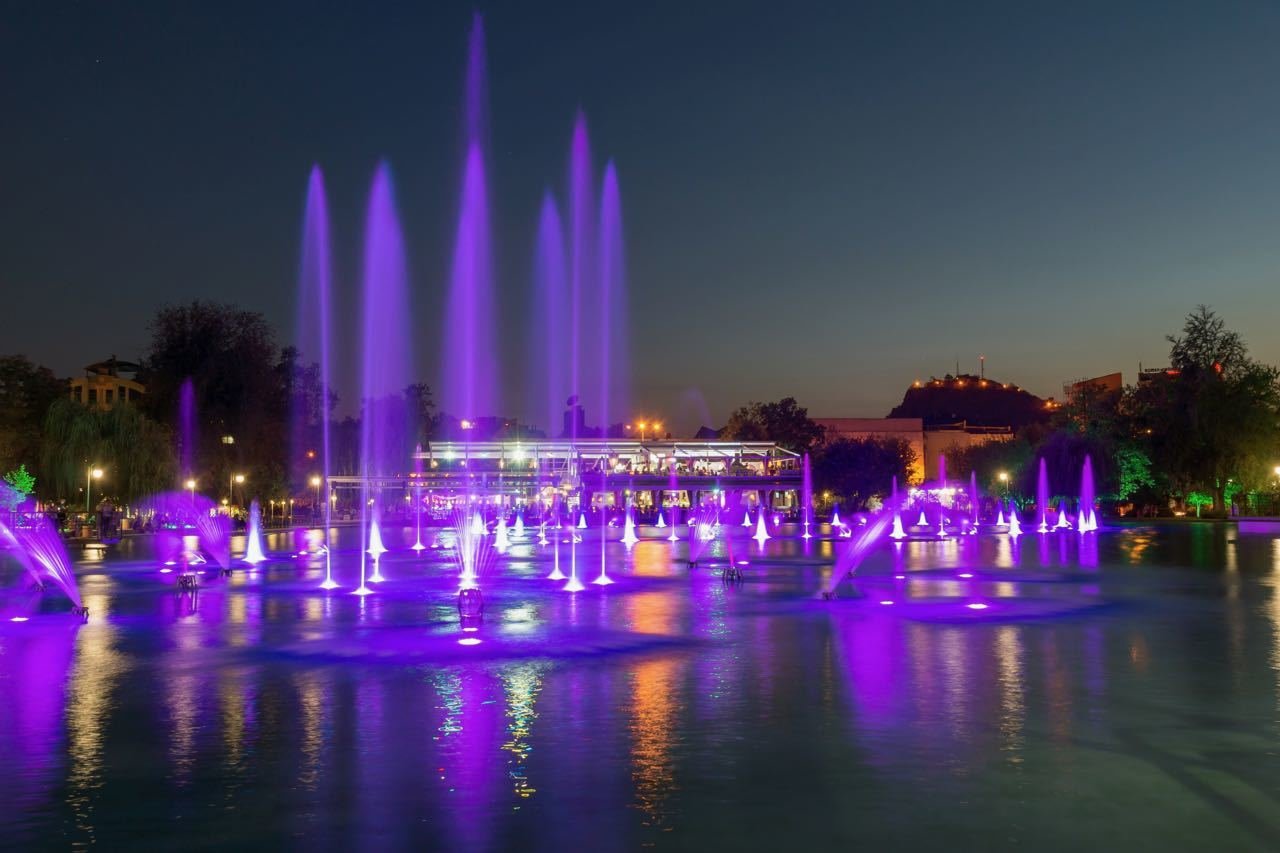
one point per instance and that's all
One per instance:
(106, 383)
(1111, 383)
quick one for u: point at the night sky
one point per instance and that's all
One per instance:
(825, 201)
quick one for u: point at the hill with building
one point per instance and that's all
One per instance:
(972, 400)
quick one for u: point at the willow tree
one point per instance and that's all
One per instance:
(135, 452)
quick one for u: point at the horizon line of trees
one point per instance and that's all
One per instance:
(1205, 434)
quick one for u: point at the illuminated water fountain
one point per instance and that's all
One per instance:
(895, 507)
(1042, 497)
(253, 553)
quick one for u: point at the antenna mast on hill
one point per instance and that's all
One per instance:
(982, 367)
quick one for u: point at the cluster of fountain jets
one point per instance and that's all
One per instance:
(1048, 518)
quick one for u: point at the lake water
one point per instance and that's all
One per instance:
(1118, 690)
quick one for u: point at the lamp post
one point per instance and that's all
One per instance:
(315, 484)
(90, 475)
(231, 489)
(1004, 481)
(191, 487)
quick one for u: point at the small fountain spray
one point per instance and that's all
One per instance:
(629, 537)
(556, 574)
(662, 523)
(835, 518)
(1062, 524)
(253, 546)
(574, 584)
(500, 539)
(746, 517)
(582, 521)
(517, 529)
(1015, 526)
(762, 532)
(897, 532)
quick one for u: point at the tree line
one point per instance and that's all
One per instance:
(1200, 435)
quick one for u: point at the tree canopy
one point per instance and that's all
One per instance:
(785, 422)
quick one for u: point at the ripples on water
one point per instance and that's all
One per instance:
(1119, 689)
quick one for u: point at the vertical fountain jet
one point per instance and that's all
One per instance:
(469, 383)
(762, 532)
(1015, 526)
(896, 508)
(550, 358)
(673, 486)
(315, 274)
(612, 322)
(973, 502)
(253, 536)
(582, 268)
(806, 497)
(386, 356)
(1088, 517)
(1042, 497)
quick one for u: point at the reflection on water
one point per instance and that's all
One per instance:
(1133, 673)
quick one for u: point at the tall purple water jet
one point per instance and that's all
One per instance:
(806, 495)
(550, 358)
(315, 288)
(1088, 518)
(973, 501)
(582, 212)
(942, 495)
(1042, 496)
(469, 383)
(187, 428)
(612, 325)
(673, 487)
(386, 353)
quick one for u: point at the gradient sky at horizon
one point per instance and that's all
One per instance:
(826, 201)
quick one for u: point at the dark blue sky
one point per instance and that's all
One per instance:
(822, 200)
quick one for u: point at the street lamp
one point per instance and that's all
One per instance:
(231, 487)
(90, 475)
(191, 487)
(315, 484)
(1004, 479)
